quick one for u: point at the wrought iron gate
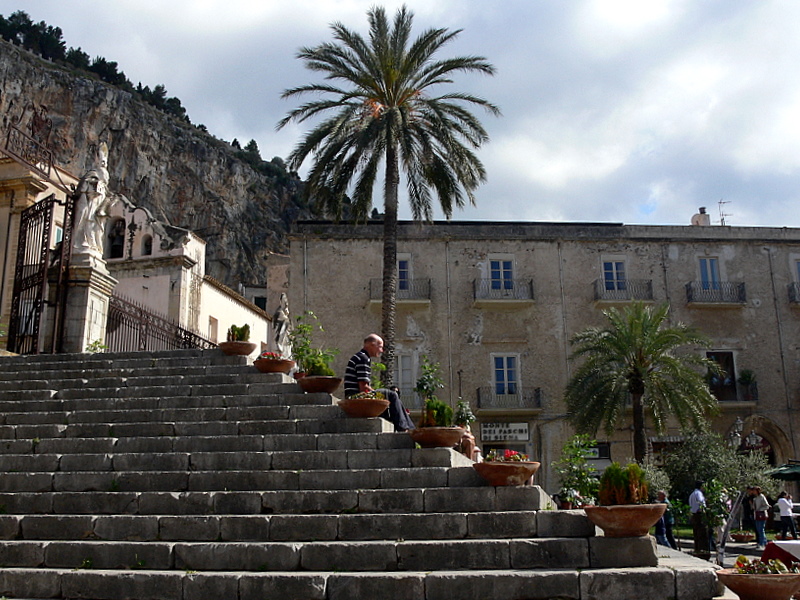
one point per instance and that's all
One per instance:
(39, 295)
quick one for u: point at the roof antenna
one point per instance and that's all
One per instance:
(722, 215)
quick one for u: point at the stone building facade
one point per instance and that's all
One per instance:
(496, 304)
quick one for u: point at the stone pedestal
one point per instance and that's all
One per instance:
(90, 287)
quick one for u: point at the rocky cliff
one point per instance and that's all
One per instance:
(184, 176)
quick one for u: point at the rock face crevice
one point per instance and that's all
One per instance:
(183, 175)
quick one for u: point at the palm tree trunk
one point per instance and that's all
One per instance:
(389, 305)
(639, 433)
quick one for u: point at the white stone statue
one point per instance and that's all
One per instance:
(282, 324)
(92, 205)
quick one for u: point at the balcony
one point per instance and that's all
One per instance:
(506, 293)
(624, 291)
(794, 293)
(410, 292)
(717, 294)
(729, 391)
(489, 399)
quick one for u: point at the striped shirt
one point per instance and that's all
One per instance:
(359, 368)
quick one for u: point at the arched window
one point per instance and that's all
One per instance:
(147, 245)
(116, 238)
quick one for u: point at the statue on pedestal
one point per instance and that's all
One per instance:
(91, 207)
(282, 324)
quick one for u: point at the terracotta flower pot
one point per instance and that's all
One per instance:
(436, 437)
(272, 365)
(760, 586)
(237, 348)
(364, 408)
(743, 537)
(319, 383)
(625, 520)
(507, 473)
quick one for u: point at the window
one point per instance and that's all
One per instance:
(797, 270)
(405, 379)
(505, 374)
(260, 302)
(58, 234)
(614, 275)
(213, 329)
(403, 272)
(723, 385)
(147, 245)
(117, 239)
(709, 273)
(501, 274)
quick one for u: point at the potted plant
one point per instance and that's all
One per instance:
(747, 379)
(367, 404)
(313, 364)
(761, 580)
(622, 496)
(435, 429)
(742, 536)
(238, 341)
(272, 362)
(506, 467)
(577, 475)
(464, 417)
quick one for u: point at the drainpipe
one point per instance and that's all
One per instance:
(449, 319)
(563, 308)
(783, 354)
(8, 250)
(305, 273)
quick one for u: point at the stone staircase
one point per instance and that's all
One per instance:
(190, 476)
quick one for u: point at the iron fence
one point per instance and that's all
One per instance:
(629, 289)
(489, 398)
(503, 289)
(716, 292)
(407, 289)
(132, 327)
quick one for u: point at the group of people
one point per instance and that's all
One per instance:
(757, 509)
(756, 513)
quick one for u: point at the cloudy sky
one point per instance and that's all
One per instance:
(613, 110)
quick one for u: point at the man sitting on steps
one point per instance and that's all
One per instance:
(357, 380)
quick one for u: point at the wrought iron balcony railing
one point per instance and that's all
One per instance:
(489, 398)
(716, 292)
(629, 289)
(407, 289)
(503, 289)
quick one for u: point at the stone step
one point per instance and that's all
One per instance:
(179, 481)
(276, 528)
(195, 428)
(231, 443)
(148, 409)
(68, 374)
(147, 377)
(322, 555)
(45, 362)
(374, 501)
(660, 583)
(165, 402)
(233, 461)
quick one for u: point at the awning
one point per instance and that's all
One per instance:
(787, 472)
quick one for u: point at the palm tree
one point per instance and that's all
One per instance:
(635, 358)
(386, 114)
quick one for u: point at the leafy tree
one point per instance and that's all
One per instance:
(252, 148)
(634, 358)
(78, 58)
(706, 456)
(107, 71)
(387, 113)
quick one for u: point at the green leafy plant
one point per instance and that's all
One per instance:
(464, 415)
(96, 346)
(375, 377)
(430, 380)
(239, 334)
(310, 360)
(623, 485)
(436, 414)
(746, 377)
(578, 477)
